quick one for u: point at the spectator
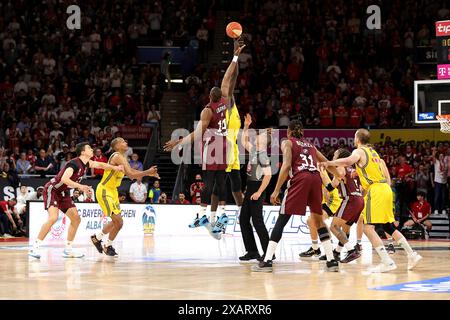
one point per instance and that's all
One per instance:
(135, 163)
(155, 192)
(122, 197)
(39, 194)
(99, 157)
(422, 180)
(420, 211)
(21, 206)
(197, 188)
(23, 166)
(153, 116)
(43, 164)
(182, 199)
(138, 191)
(9, 174)
(439, 182)
(163, 199)
(8, 224)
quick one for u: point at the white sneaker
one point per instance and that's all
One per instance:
(383, 268)
(7, 235)
(35, 253)
(435, 212)
(413, 260)
(69, 253)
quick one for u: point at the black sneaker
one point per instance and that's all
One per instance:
(250, 256)
(358, 247)
(97, 243)
(336, 255)
(110, 251)
(333, 266)
(390, 248)
(262, 258)
(263, 267)
(310, 253)
(351, 255)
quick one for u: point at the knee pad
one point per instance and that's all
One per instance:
(323, 234)
(389, 228)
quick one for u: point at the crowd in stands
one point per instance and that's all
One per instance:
(318, 62)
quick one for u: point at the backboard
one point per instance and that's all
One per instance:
(431, 98)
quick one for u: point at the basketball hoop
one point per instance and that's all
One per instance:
(444, 120)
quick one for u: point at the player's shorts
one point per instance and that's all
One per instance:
(331, 207)
(233, 159)
(108, 199)
(214, 154)
(350, 209)
(378, 204)
(53, 198)
(304, 189)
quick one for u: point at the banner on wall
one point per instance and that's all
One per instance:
(134, 132)
(379, 135)
(159, 220)
(8, 192)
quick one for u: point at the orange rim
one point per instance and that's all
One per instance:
(443, 116)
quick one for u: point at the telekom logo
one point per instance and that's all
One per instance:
(442, 28)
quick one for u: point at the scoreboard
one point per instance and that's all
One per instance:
(443, 49)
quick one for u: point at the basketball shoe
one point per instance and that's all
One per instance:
(310, 253)
(263, 267)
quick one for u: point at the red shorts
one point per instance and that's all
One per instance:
(214, 154)
(304, 189)
(53, 198)
(350, 209)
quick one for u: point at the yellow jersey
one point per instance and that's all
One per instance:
(233, 124)
(372, 171)
(111, 179)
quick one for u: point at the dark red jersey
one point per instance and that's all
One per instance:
(349, 186)
(79, 169)
(304, 157)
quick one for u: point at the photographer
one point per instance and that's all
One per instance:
(420, 211)
(197, 188)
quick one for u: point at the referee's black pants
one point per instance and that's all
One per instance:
(253, 210)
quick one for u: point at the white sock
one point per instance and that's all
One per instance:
(348, 246)
(202, 211)
(339, 248)
(328, 247)
(221, 210)
(68, 244)
(381, 250)
(109, 242)
(270, 250)
(212, 217)
(99, 235)
(315, 244)
(37, 244)
(405, 245)
(390, 241)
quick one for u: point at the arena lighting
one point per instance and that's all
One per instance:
(175, 81)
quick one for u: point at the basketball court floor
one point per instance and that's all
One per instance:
(202, 268)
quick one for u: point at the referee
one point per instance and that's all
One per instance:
(258, 178)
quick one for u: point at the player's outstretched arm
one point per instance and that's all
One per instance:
(345, 162)
(104, 166)
(226, 82)
(286, 148)
(236, 44)
(205, 118)
(337, 172)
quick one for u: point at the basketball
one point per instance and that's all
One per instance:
(234, 30)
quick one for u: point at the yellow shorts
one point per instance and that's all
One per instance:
(233, 159)
(108, 199)
(378, 204)
(333, 203)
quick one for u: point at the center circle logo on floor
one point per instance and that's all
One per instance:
(59, 227)
(149, 219)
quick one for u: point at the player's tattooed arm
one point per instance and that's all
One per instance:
(236, 44)
(356, 157)
(105, 166)
(337, 172)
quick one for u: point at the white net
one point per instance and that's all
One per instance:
(445, 123)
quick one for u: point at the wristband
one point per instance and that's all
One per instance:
(329, 187)
(235, 58)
